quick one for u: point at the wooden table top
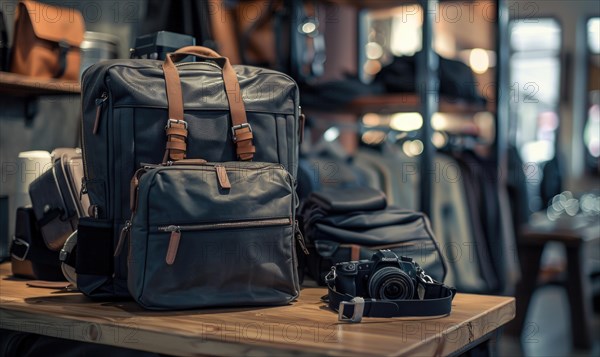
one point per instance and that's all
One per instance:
(305, 327)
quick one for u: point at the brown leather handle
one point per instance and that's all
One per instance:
(177, 128)
(200, 51)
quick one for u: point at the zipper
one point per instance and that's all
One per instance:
(220, 170)
(99, 106)
(94, 211)
(122, 238)
(201, 163)
(300, 239)
(226, 225)
(134, 186)
(176, 230)
(84, 189)
(301, 125)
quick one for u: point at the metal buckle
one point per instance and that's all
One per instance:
(330, 277)
(176, 121)
(20, 241)
(424, 277)
(427, 279)
(357, 314)
(236, 127)
(63, 255)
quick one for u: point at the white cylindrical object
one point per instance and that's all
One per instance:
(31, 164)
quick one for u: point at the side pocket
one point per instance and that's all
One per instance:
(282, 141)
(96, 190)
(94, 247)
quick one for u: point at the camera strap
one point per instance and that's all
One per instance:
(436, 301)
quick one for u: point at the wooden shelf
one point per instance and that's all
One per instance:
(377, 4)
(406, 102)
(24, 86)
(371, 4)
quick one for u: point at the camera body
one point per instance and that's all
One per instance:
(385, 277)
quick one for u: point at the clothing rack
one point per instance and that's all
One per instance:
(427, 67)
(427, 100)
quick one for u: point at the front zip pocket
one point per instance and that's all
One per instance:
(176, 230)
(201, 239)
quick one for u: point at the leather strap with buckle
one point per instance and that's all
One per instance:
(241, 130)
(177, 132)
(242, 137)
(436, 301)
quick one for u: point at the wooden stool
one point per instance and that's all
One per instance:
(575, 233)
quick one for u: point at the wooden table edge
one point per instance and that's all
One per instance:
(120, 333)
(509, 305)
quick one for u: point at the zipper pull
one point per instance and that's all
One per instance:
(134, 187)
(93, 211)
(302, 119)
(124, 235)
(83, 190)
(222, 177)
(173, 243)
(300, 239)
(147, 166)
(99, 104)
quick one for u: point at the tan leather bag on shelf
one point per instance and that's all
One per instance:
(46, 41)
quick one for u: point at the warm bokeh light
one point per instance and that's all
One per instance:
(373, 137)
(479, 60)
(372, 67)
(412, 148)
(371, 119)
(439, 139)
(406, 121)
(373, 50)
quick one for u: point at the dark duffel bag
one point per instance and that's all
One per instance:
(206, 235)
(341, 225)
(231, 113)
(30, 257)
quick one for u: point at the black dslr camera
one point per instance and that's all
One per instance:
(384, 277)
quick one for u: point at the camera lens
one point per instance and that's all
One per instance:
(391, 283)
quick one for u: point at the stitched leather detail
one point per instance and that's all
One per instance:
(243, 136)
(190, 162)
(354, 252)
(223, 178)
(177, 145)
(245, 150)
(173, 130)
(173, 246)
